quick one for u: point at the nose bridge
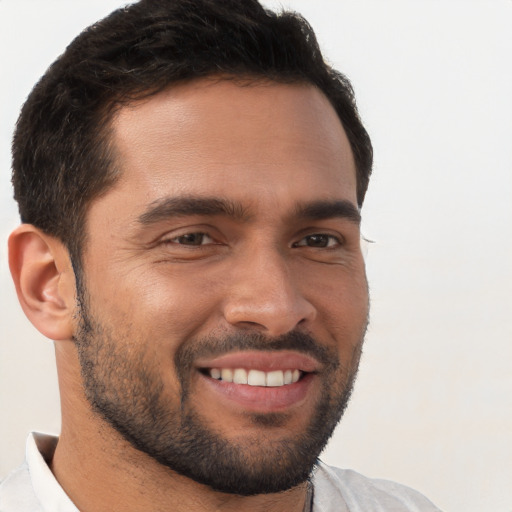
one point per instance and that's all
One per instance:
(266, 295)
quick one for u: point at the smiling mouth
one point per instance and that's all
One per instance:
(274, 379)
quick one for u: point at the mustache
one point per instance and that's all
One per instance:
(215, 346)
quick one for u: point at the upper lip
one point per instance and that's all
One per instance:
(263, 360)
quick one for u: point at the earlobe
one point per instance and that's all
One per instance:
(44, 280)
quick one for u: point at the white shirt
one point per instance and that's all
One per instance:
(33, 488)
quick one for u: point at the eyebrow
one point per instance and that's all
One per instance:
(168, 207)
(325, 209)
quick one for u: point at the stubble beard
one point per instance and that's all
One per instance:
(128, 393)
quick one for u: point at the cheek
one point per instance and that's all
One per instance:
(340, 293)
(342, 310)
(173, 305)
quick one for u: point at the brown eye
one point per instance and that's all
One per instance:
(319, 241)
(192, 239)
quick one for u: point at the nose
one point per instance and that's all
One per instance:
(265, 295)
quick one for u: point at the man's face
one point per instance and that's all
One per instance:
(224, 298)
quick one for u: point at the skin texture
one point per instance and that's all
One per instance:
(157, 284)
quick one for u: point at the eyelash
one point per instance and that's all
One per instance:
(321, 238)
(338, 241)
(175, 239)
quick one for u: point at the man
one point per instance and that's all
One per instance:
(190, 176)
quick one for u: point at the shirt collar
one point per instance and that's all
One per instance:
(39, 451)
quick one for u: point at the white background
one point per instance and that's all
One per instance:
(433, 403)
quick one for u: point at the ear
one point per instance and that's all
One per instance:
(44, 279)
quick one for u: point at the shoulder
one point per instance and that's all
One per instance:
(16, 492)
(335, 488)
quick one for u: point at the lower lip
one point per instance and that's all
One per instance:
(258, 398)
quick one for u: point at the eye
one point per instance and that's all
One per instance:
(191, 239)
(318, 240)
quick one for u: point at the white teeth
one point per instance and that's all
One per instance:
(275, 378)
(256, 378)
(240, 376)
(226, 374)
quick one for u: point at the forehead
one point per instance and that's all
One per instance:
(260, 142)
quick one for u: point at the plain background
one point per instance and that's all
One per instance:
(433, 403)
